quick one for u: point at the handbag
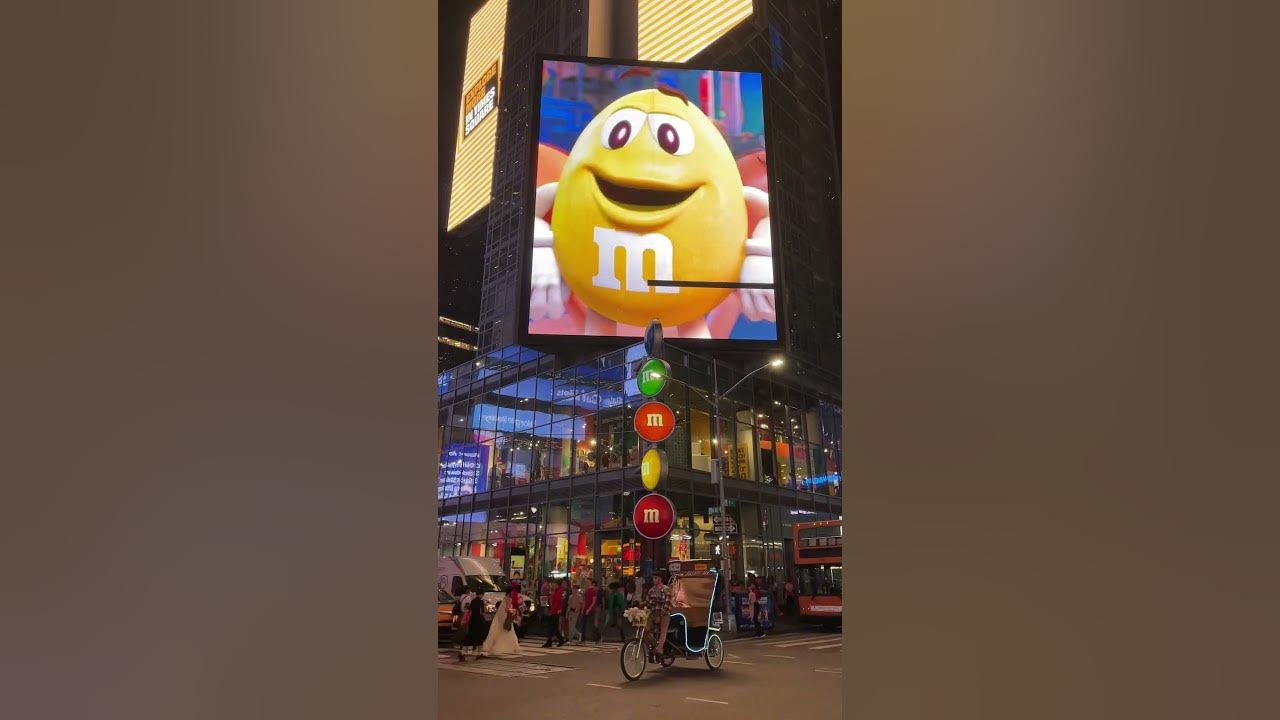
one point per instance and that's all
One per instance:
(510, 622)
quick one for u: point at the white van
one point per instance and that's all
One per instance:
(459, 574)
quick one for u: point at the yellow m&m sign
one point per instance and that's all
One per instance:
(653, 468)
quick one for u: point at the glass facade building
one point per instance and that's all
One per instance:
(540, 464)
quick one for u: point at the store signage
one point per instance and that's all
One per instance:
(653, 468)
(462, 469)
(586, 396)
(480, 100)
(654, 421)
(654, 516)
(653, 377)
(491, 418)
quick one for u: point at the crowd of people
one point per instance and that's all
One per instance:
(574, 614)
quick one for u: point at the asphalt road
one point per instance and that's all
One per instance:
(786, 673)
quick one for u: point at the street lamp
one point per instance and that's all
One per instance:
(716, 478)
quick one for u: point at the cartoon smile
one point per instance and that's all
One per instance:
(640, 202)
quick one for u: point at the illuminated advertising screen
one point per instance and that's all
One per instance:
(650, 202)
(478, 113)
(462, 469)
(676, 30)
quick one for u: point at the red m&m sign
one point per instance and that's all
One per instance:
(654, 516)
(654, 421)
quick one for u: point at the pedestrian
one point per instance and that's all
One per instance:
(502, 638)
(789, 588)
(753, 602)
(473, 618)
(544, 599)
(630, 596)
(614, 605)
(553, 616)
(573, 615)
(459, 627)
(590, 609)
(460, 608)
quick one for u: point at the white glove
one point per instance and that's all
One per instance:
(758, 265)
(757, 304)
(547, 295)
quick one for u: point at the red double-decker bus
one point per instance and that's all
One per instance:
(818, 563)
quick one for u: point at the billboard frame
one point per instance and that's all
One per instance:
(719, 345)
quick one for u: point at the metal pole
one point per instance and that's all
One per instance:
(718, 479)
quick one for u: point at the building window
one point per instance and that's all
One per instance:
(477, 536)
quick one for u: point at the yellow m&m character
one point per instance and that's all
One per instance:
(650, 191)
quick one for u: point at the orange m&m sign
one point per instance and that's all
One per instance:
(654, 421)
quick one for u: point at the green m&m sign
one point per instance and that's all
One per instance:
(652, 377)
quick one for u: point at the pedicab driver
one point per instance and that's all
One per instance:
(658, 603)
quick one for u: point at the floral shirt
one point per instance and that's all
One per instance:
(659, 599)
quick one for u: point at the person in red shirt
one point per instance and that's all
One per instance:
(553, 619)
(590, 605)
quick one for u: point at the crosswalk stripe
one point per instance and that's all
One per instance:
(789, 637)
(823, 647)
(507, 666)
(794, 637)
(492, 671)
(803, 642)
(568, 648)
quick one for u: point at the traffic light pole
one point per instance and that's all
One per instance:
(724, 556)
(718, 478)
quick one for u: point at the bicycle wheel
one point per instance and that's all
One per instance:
(633, 659)
(715, 652)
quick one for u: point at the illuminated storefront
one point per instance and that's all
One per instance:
(550, 465)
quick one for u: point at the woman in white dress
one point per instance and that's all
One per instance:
(502, 639)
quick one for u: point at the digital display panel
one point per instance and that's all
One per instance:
(650, 202)
(477, 114)
(462, 469)
(676, 30)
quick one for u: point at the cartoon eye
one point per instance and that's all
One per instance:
(673, 134)
(621, 128)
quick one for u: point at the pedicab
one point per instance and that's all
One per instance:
(694, 630)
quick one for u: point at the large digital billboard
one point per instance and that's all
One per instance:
(650, 203)
(478, 113)
(676, 30)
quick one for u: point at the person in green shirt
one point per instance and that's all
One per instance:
(614, 605)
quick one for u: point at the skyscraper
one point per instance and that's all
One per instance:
(550, 27)
(784, 40)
